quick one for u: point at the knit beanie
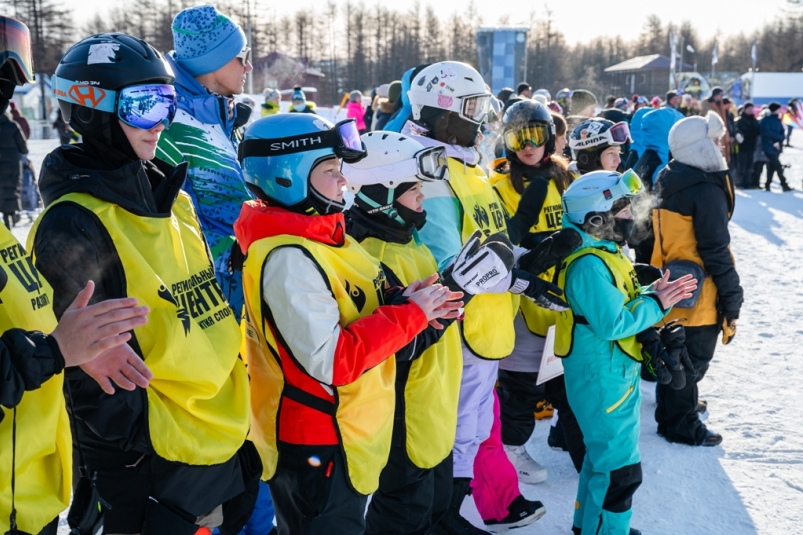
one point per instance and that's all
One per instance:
(693, 141)
(205, 40)
(394, 90)
(298, 94)
(581, 99)
(774, 106)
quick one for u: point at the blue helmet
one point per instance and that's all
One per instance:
(278, 153)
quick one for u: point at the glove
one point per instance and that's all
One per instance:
(647, 274)
(551, 251)
(528, 211)
(673, 336)
(478, 267)
(729, 318)
(543, 293)
(655, 356)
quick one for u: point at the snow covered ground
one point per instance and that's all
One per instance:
(753, 483)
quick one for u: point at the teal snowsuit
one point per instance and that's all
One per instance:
(602, 384)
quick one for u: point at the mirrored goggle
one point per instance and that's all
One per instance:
(630, 183)
(432, 163)
(535, 134)
(145, 106)
(15, 45)
(620, 133)
(475, 108)
(349, 147)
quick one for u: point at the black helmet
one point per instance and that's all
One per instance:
(529, 112)
(98, 64)
(591, 137)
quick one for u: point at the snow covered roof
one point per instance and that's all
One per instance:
(644, 63)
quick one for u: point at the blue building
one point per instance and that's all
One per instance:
(502, 55)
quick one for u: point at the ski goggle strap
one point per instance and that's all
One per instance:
(535, 134)
(428, 164)
(343, 139)
(15, 46)
(140, 106)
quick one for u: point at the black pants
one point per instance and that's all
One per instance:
(410, 500)
(315, 498)
(52, 528)
(774, 166)
(518, 396)
(676, 412)
(745, 169)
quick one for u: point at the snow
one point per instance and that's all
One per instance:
(753, 482)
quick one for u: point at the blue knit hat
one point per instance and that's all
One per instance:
(205, 40)
(298, 94)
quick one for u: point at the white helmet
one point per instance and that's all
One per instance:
(271, 93)
(395, 159)
(451, 86)
(545, 92)
(597, 191)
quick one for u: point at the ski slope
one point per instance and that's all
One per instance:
(753, 483)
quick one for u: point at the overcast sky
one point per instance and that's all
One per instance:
(579, 20)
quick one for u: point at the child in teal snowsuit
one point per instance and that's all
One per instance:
(597, 338)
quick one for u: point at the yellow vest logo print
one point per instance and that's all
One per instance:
(357, 295)
(197, 297)
(17, 261)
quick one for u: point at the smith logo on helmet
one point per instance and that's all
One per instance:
(199, 296)
(296, 143)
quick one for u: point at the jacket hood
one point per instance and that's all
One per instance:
(655, 127)
(588, 239)
(396, 123)
(196, 100)
(144, 188)
(260, 220)
(635, 130)
(677, 176)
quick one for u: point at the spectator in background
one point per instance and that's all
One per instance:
(382, 107)
(355, 110)
(524, 90)
(12, 148)
(583, 105)
(610, 100)
(655, 102)
(504, 94)
(394, 103)
(672, 100)
(772, 137)
(747, 131)
(760, 160)
(272, 104)
(714, 103)
(792, 109)
(686, 105)
(299, 103)
(20, 120)
(62, 129)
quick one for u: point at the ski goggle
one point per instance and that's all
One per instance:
(244, 55)
(343, 139)
(472, 108)
(428, 164)
(536, 135)
(618, 134)
(628, 185)
(15, 47)
(141, 106)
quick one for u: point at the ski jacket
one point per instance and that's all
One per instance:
(635, 131)
(30, 392)
(12, 148)
(319, 337)
(455, 209)
(270, 108)
(401, 116)
(134, 233)
(355, 110)
(655, 127)
(772, 132)
(748, 126)
(608, 307)
(203, 135)
(691, 223)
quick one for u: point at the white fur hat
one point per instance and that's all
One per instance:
(693, 141)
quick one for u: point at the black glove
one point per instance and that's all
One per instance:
(673, 336)
(532, 199)
(652, 350)
(647, 274)
(543, 293)
(551, 251)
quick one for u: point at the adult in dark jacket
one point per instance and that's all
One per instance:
(12, 148)
(747, 131)
(772, 138)
(20, 120)
(691, 226)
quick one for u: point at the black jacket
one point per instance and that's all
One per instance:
(707, 198)
(748, 126)
(12, 147)
(72, 246)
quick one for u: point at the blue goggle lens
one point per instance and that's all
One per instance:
(145, 106)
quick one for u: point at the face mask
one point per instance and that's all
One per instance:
(623, 228)
(299, 107)
(411, 217)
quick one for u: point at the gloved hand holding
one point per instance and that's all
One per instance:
(673, 337)
(659, 363)
(480, 266)
(543, 293)
(551, 251)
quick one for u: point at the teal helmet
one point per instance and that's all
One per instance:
(596, 193)
(278, 153)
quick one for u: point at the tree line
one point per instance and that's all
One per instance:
(359, 47)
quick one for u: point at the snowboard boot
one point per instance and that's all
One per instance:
(711, 439)
(556, 440)
(528, 470)
(453, 523)
(522, 512)
(543, 409)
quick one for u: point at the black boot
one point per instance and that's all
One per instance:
(522, 512)
(453, 523)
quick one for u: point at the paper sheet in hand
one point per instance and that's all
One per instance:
(551, 366)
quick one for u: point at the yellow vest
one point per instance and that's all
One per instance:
(538, 319)
(44, 443)
(364, 413)
(198, 398)
(488, 325)
(621, 269)
(433, 386)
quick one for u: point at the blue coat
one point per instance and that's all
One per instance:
(396, 123)
(654, 136)
(635, 130)
(772, 131)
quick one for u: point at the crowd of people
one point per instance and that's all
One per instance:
(205, 333)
